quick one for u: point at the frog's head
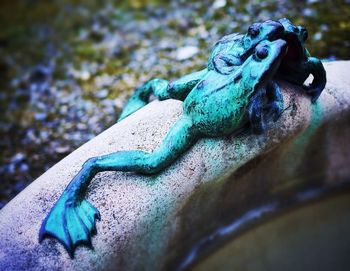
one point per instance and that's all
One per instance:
(295, 36)
(257, 32)
(262, 65)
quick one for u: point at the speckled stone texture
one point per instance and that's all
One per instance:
(157, 222)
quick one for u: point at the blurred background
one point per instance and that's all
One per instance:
(68, 66)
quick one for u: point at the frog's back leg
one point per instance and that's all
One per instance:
(141, 96)
(179, 139)
(162, 90)
(179, 89)
(72, 219)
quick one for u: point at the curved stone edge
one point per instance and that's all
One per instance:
(149, 223)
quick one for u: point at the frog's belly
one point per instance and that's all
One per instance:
(216, 115)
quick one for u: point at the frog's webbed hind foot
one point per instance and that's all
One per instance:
(71, 222)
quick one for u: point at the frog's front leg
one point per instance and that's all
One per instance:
(255, 112)
(72, 219)
(315, 67)
(275, 104)
(162, 90)
(259, 109)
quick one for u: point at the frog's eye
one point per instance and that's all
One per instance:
(262, 52)
(253, 31)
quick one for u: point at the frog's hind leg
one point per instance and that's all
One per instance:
(142, 94)
(72, 219)
(162, 90)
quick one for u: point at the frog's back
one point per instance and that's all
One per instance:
(215, 105)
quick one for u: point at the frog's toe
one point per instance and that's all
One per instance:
(71, 224)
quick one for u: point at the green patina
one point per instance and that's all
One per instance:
(236, 88)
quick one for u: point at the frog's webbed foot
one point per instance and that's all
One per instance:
(71, 222)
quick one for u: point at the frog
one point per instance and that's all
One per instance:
(218, 105)
(230, 52)
(298, 64)
(226, 55)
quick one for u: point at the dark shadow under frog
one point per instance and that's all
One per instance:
(218, 101)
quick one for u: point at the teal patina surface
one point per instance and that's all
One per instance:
(236, 90)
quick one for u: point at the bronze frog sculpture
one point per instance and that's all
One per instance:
(229, 52)
(231, 92)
